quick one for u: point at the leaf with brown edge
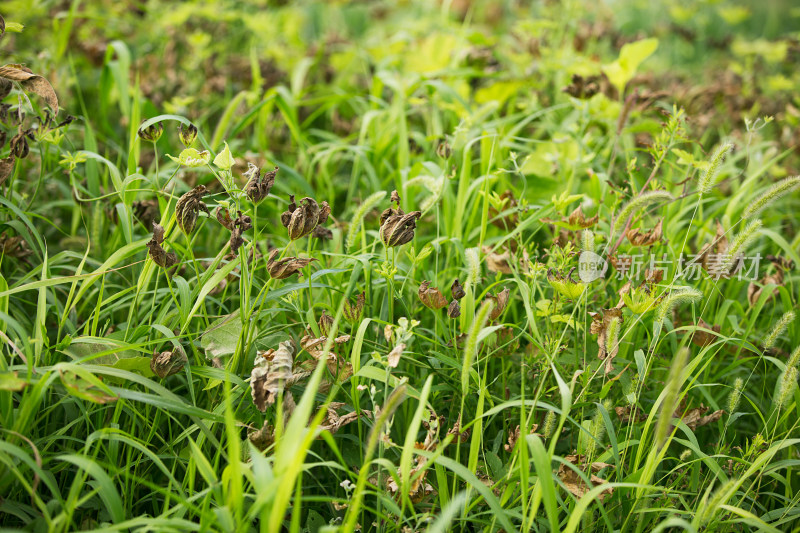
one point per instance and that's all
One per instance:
(431, 297)
(754, 290)
(394, 355)
(270, 377)
(32, 83)
(639, 237)
(496, 262)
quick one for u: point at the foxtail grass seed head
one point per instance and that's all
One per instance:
(709, 177)
(741, 243)
(794, 359)
(719, 498)
(187, 134)
(786, 387)
(735, 395)
(587, 240)
(301, 220)
(772, 195)
(397, 227)
(638, 203)
(778, 329)
(612, 334)
(549, 425)
(188, 207)
(679, 296)
(358, 218)
(151, 133)
(473, 266)
(598, 430)
(671, 392)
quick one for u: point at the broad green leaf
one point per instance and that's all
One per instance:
(192, 158)
(621, 71)
(224, 159)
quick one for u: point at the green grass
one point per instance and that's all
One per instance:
(213, 390)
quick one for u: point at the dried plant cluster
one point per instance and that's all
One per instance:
(427, 266)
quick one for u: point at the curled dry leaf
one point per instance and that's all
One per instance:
(431, 297)
(638, 237)
(583, 87)
(157, 253)
(500, 303)
(333, 421)
(575, 483)
(325, 323)
(628, 413)
(394, 356)
(322, 233)
(395, 197)
(514, 435)
(188, 207)
(281, 269)
(704, 338)
(6, 168)
(397, 227)
(599, 327)
(754, 290)
(270, 377)
(258, 186)
(496, 262)
(15, 247)
(165, 364)
(315, 347)
(695, 418)
(31, 82)
(301, 220)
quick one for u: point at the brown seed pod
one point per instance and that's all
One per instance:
(151, 133)
(397, 227)
(280, 269)
(395, 197)
(187, 134)
(322, 233)
(352, 313)
(301, 220)
(325, 324)
(168, 363)
(430, 296)
(157, 253)
(454, 309)
(457, 290)
(188, 206)
(258, 186)
(19, 144)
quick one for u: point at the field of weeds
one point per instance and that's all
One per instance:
(452, 265)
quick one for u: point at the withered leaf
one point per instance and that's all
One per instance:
(704, 338)
(638, 237)
(281, 269)
(165, 364)
(160, 256)
(694, 417)
(576, 485)
(500, 303)
(454, 309)
(599, 327)
(394, 355)
(431, 297)
(31, 82)
(6, 168)
(269, 377)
